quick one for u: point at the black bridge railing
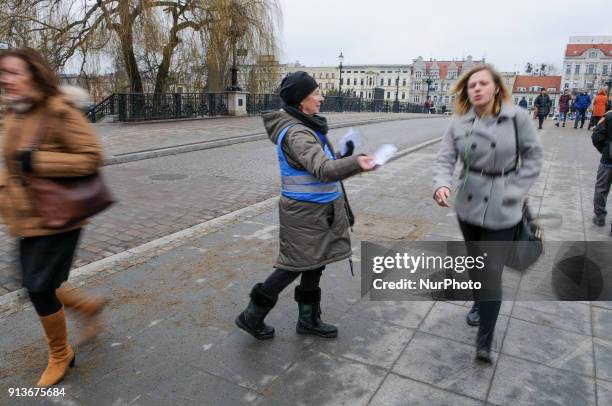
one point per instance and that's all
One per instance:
(132, 107)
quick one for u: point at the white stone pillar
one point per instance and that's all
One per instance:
(236, 103)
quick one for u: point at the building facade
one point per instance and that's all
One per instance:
(326, 76)
(383, 82)
(587, 63)
(432, 80)
(530, 86)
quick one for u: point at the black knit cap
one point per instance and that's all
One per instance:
(296, 87)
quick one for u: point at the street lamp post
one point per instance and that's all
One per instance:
(340, 59)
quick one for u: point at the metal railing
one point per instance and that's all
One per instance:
(104, 108)
(132, 107)
(164, 106)
(258, 103)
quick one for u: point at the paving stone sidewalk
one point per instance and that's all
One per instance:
(128, 138)
(171, 337)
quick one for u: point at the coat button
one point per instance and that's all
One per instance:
(469, 197)
(474, 146)
(486, 199)
(493, 145)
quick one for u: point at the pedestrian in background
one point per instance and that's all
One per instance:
(489, 204)
(564, 107)
(68, 148)
(581, 104)
(523, 103)
(313, 211)
(543, 104)
(601, 137)
(599, 108)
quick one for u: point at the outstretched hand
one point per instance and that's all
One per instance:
(366, 163)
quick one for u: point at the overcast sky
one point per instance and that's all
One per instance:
(507, 33)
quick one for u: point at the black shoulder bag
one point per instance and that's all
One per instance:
(528, 243)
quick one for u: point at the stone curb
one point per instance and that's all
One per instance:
(14, 301)
(223, 142)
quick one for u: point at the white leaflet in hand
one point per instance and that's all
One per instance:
(351, 135)
(384, 153)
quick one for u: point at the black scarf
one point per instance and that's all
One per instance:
(316, 122)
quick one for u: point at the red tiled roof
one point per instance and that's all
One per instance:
(579, 49)
(543, 81)
(444, 65)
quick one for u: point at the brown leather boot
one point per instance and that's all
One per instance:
(87, 307)
(61, 355)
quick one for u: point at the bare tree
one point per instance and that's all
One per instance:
(148, 35)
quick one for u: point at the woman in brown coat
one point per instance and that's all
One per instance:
(35, 105)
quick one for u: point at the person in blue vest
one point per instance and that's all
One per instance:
(314, 215)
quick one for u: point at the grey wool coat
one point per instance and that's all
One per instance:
(488, 144)
(311, 234)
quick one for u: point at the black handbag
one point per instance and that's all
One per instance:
(528, 243)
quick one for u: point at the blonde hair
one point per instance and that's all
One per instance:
(459, 90)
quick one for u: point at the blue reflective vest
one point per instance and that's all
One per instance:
(300, 184)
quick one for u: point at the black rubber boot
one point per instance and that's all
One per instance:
(309, 321)
(483, 345)
(252, 318)
(599, 220)
(473, 316)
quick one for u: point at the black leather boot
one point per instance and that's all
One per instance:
(483, 345)
(473, 316)
(252, 318)
(309, 320)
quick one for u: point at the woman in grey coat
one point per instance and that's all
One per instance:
(490, 197)
(312, 212)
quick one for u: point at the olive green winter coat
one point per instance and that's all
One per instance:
(311, 234)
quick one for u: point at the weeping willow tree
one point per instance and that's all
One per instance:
(238, 25)
(151, 40)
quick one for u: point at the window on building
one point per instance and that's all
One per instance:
(516, 100)
(445, 99)
(370, 82)
(566, 86)
(551, 89)
(530, 101)
(360, 94)
(361, 82)
(418, 74)
(388, 95)
(404, 82)
(348, 71)
(355, 81)
(389, 71)
(604, 69)
(453, 99)
(388, 82)
(436, 85)
(382, 82)
(577, 69)
(568, 69)
(435, 99)
(417, 86)
(593, 54)
(552, 102)
(369, 95)
(591, 68)
(521, 89)
(327, 76)
(416, 99)
(341, 82)
(333, 76)
(403, 95)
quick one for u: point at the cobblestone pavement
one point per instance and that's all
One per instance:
(126, 138)
(171, 337)
(160, 196)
